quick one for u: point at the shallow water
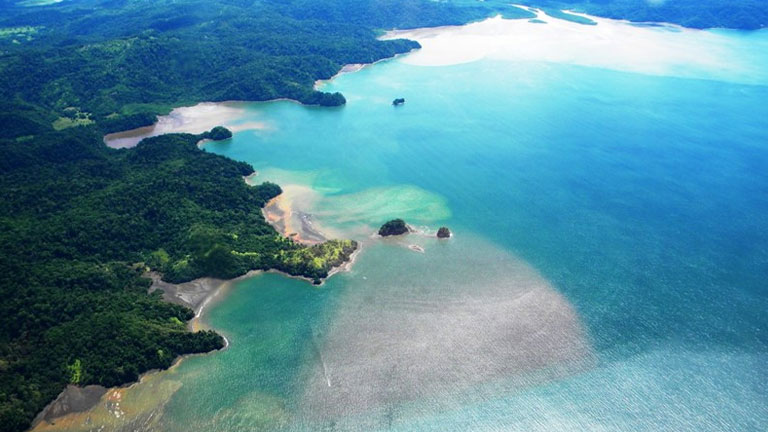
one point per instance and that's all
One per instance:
(607, 270)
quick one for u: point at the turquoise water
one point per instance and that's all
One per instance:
(642, 199)
(608, 269)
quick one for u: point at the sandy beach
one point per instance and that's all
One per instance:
(284, 213)
(193, 119)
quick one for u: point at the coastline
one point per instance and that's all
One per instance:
(196, 118)
(181, 118)
(290, 222)
(198, 295)
(217, 293)
(356, 67)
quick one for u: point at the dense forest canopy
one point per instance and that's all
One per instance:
(80, 223)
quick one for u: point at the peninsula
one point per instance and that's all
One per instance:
(165, 206)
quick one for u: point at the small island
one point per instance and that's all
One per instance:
(398, 101)
(219, 133)
(393, 227)
(443, 232)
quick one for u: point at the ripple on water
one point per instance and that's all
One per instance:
(459, 324)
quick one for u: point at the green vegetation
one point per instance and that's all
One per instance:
(393, 227)
(76, 219)
(218, 133)
(315, 261)
(17, 35)
(76, 371)
(72, 117)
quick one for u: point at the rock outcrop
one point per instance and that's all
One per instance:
(393, 227)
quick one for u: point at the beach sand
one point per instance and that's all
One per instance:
(194, 119)
(285, 213)
(192, 294)
(72, 400)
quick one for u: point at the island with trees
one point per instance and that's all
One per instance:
(394, 227)
(219, 133)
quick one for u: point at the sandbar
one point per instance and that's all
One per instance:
(192, 119)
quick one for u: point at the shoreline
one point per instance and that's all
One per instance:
(174, 121)
(357, 67)
(201, 293)
(75, 399)
(280, 213)
(131, 137)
